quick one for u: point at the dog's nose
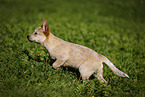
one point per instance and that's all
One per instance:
(28, 36)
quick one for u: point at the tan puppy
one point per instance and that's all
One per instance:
(85, 59)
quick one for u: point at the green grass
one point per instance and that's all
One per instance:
(115, 29)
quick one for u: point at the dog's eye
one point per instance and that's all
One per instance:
(35, 33)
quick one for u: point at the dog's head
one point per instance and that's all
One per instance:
(40, 34)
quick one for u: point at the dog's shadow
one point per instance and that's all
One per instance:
(65, 69)
(37, 58)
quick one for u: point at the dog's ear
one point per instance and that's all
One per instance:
(45, 27)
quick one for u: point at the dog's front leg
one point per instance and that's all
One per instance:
(58, 63)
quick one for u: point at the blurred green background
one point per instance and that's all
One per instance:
(114, 28)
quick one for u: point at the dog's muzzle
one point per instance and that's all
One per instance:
(29, 39)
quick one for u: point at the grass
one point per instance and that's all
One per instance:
(115, 29)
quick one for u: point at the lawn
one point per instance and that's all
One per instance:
(114, 28)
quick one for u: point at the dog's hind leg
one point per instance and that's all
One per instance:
(85, 72)
(99, 75)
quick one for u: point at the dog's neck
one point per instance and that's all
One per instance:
(52, 41)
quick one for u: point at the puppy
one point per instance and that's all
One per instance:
(85, 59)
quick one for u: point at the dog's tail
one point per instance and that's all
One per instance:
(113, 68)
